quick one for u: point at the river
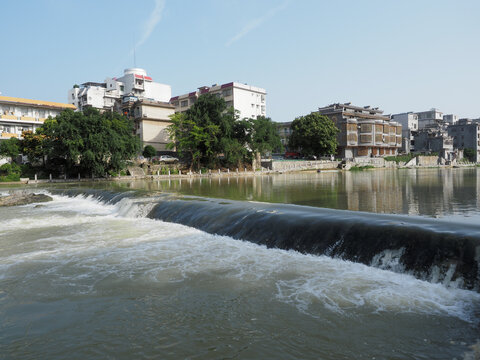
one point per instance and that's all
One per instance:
(207, 268)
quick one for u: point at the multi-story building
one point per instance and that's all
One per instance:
(249, 101)
(409, 122)
(151, 120)
(429, 118)
(466, 135)
(18, 115)
(450, 119)
(284, 131)
(109, 94)
(364, 131)
(435, 139)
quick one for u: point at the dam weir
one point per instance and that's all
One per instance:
(430, 249)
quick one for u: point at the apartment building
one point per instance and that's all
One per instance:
(431, 117)
(108, 95)
(450, 119)
(151, 121)
(409, 122)
(435, 139)
(284, 130)
(466, 135)
(249, 101)
(18, 115)
(364, 131)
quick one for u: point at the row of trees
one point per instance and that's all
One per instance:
(88, 142)
(212, 135)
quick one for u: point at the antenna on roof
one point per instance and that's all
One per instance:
(134, 58)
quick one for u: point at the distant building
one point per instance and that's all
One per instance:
(450, 119)
(435, 139)
(409, 122)
(18, 115)
(284, 131)
(249, 101)
(429, 118)
(466, 135)
(151, 121)
(364, 131)
(108, 95)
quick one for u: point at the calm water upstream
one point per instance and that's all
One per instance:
(97, 273)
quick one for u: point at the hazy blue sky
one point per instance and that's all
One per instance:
(398, 55)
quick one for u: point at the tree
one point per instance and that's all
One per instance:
(149, 151)
(32, 145)
(314, 134)
(206, 131)
(264, 137)
(90, 142)
(10, 147)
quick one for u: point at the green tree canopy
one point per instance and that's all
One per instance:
(149, 151)
(314, 134)
(90, 142)
(10, 147)
(263, 136)
(205, 131)
(32, 145)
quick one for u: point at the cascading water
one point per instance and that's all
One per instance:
(429, 249)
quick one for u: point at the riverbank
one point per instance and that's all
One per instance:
(268, 168)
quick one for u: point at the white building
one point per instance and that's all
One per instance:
(108, 95)
(249, 101)
(429, 118)
(18, 115)
(151, 121)
(409, 122)
(450, 119)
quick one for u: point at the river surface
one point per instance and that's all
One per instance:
(82, 277)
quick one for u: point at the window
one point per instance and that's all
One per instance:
(122, 87)
(227, 92)
(253, 106)
(263, 98)
(184, 103)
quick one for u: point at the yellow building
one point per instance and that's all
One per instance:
(18, 115)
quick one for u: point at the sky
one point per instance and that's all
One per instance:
(397, 55)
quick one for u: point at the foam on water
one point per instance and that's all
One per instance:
(107, 244)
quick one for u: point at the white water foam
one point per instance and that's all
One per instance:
(95, 247)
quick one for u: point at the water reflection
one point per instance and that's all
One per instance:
(432, 192)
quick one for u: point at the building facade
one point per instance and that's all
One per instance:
(364, 131)
(435, 139)
(450, 119)
(409, 122)
(151, 120)
(431, 117)
(108, 95)
(466, 135)
(18, 115)
(284, 130)
(249, 101)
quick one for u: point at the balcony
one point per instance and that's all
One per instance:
(9, 117)
(27, 118)
(8, 135)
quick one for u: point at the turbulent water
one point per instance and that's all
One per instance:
(84, 278)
